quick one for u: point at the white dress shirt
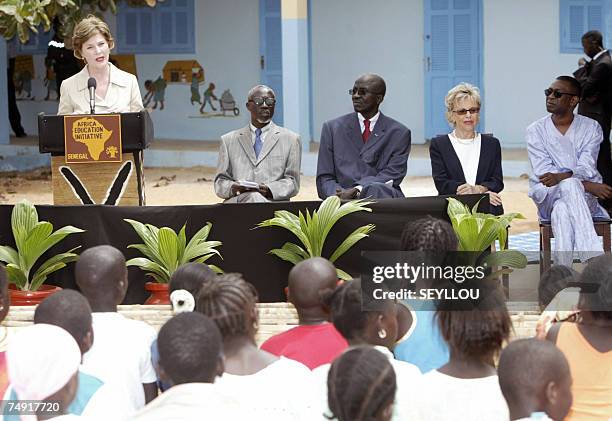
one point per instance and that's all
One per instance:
(264, 133)
(373, 121)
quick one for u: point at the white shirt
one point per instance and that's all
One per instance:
(373, 121)
(408, 378)
(121, 355)
(194, 401)
(468, 152)
(281, 391)
(449, 398)
(264, 132)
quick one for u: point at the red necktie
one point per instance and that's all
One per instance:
(366, 131)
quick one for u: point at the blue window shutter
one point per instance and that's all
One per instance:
(577, 17)
(169, 27)
(440, 43)
(271, 49)
(463, 42)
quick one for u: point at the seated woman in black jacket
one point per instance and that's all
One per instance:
(464, 161)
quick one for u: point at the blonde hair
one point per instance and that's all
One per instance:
(462, 91)
(87, 28)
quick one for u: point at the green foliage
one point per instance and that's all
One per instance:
(478, 231)
(33, 238)
(312, 230)
(165, 250)
(23, 17)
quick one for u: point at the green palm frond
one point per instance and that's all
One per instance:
(312, 229)
(165, 250)
(33, 238)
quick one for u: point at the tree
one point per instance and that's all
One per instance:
(23, 17)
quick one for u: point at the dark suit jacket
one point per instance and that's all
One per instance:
(345, 161)
(448, 173)
(596, 81)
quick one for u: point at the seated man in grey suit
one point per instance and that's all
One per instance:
(265, 156)
(365, 153)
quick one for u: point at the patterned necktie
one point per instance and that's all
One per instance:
(258, 143)
(366, 131)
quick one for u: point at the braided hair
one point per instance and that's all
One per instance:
(360, 385)
(227, 302)
(345, 306)
(428, 234)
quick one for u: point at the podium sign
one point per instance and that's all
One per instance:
(92, 138)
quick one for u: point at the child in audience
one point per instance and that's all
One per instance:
(557, 297)
(467, 388)
(535, 379)
(191, 357)
(69, 310)
(587, 344)
(361, 386)
(272, 388)
(43, 362)
(183, 288)
(425, 347)
(315, 341)
(363, 326)
(121, 352)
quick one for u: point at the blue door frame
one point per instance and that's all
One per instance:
(271, 51)
(453, 54)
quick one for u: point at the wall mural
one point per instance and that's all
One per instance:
(207, 100)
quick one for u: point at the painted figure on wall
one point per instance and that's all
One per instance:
(209, 95)
(227, 103)
(195, 90)
(50, 80)
(23, 85)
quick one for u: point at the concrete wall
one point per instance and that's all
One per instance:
(351, 37)
(521, 58)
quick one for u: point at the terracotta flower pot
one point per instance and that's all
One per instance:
(159, 293)
(30, 298)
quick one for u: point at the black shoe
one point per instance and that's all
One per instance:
(21, 134)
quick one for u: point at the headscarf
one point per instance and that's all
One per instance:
(41, 359)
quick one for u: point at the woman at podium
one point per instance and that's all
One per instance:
(114, 90)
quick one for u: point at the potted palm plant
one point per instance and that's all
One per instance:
(478, 231)
(32, 239)
(312, 230)
(165, 251)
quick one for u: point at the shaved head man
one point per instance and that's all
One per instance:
(315, 341)
(121, 353)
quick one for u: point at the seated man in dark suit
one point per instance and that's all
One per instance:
(365, 153)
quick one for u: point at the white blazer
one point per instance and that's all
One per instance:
(122, 96)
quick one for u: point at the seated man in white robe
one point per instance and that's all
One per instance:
(564, 183)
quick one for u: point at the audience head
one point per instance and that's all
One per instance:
(42, 364)
(367, 94)
(190, 349)
(91, 39)
(463, 107)
(101, 275)
(534, 376)
(360, 326)
(553, 281)
(5, 299)
(428, 234)
(69, 310)
(596, 298)
(563, 96)
(361, 386)
(307, 281)
(230, 302)
(185, 283)
(592, 43)
(261, 101)
(476, 333)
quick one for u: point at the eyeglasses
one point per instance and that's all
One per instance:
(257, 100)
(360, 92)
(462, 111)
(556, 93)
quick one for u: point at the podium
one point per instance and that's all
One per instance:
(104, 183)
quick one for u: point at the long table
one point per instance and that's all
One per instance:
(244, 249)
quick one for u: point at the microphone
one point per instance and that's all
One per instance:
(91, 86)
